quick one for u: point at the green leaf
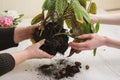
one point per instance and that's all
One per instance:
(83, 3)
(69, 24)
(77, 9)
(37, 19)
(92, 28)
(85, 28)
(6, 11)
(48, 5)
(33, 41)
(92, 8)
(97, 27)
(21, 15)
(61, 5)
(80, 12)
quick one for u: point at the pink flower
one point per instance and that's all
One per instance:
(6, 21)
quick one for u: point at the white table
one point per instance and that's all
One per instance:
(104, 66)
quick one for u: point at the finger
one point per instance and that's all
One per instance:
(41, 42)
(78, 46)
(38, 26)
(85, 36)
(35, 25)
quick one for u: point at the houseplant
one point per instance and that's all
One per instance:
(52, 18)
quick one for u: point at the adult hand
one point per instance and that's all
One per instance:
(22, 33)
(93, 18)
(34, 51)
(93, 42)
(31, 52)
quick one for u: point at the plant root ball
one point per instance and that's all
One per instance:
(54, 43)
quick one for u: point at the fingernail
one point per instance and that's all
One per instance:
(43, 40)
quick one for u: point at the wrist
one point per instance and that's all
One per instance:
(20, 34)
(106, 41)
(20, 56)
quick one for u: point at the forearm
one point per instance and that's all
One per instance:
(113, 19)
(112, 43)
(20, 56)
(23, 33)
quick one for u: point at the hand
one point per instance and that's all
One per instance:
(22, 33)
(94, 18)
(93, 42)
(34, 51)
(31, 52)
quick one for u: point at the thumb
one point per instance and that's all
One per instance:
(41, 42)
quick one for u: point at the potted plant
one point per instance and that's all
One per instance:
(55, 13)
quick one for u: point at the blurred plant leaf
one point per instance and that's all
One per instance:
(97, 27)
(33, 41)
(61, 5)
(80, 12)
(48, 5)
(83, 3)
(92, 8)
(37, 19)
(21, 15)
(69, 25)
(86, 28)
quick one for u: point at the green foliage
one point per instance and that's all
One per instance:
(49, 5)
(92, 8)
(74, 13)
(37, 19)
(61, 6)
(97, 27)
(17, 20)
(80, 12)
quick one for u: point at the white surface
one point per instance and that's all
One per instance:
(104, 66)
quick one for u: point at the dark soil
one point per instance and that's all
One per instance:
(54, 43)
(61, 70)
